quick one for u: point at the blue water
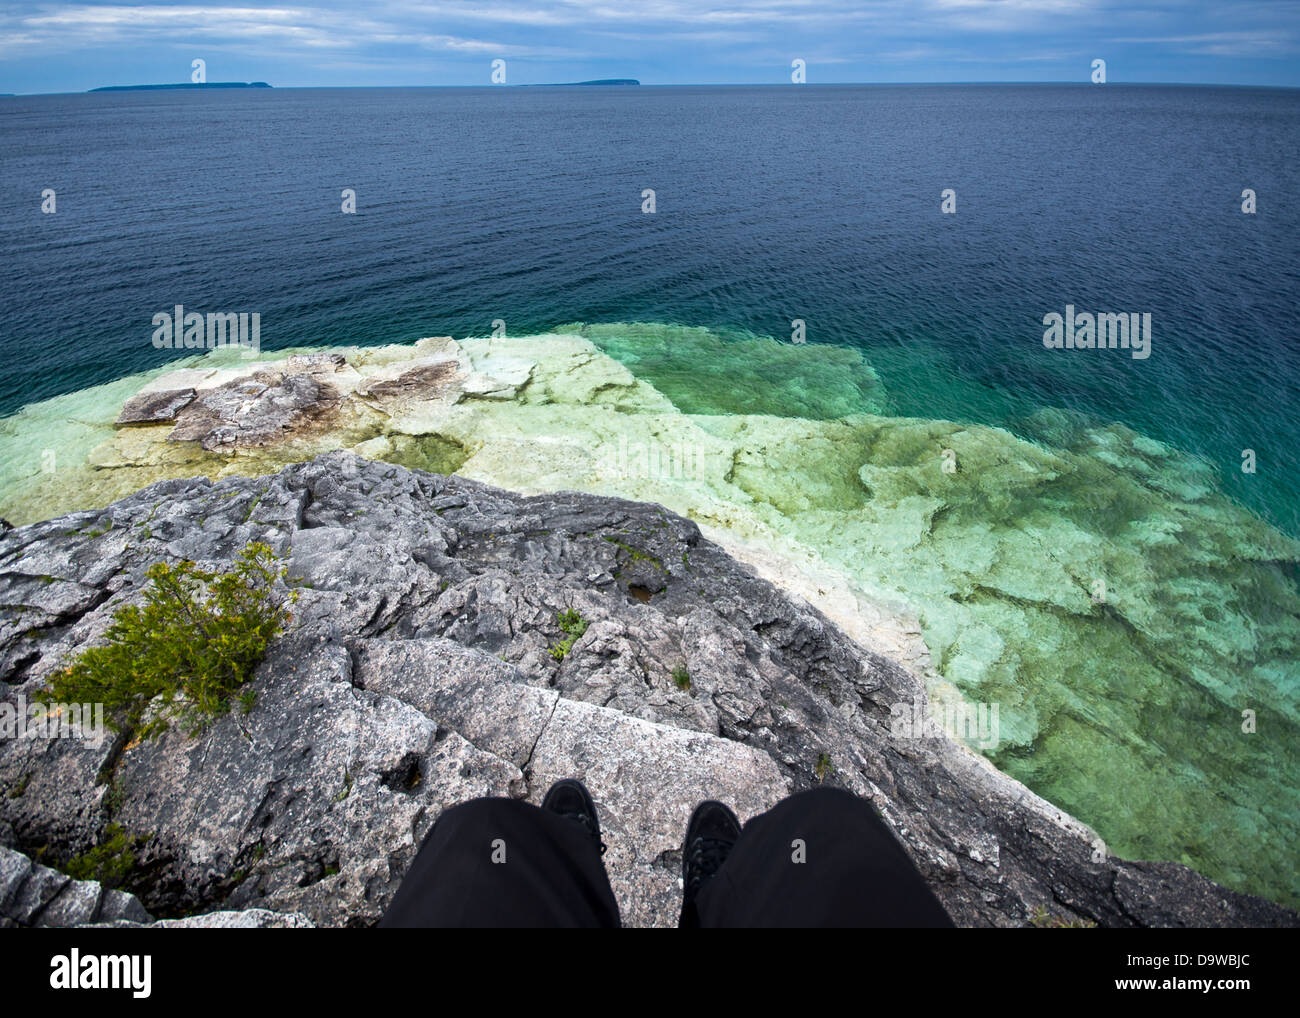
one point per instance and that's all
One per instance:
(773, 203)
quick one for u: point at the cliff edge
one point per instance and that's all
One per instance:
(419, 671)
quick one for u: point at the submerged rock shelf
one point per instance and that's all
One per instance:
(970, 556)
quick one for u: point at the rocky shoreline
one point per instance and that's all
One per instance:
(419, 673)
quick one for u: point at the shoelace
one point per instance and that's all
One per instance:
(706, 858)
(585, 820)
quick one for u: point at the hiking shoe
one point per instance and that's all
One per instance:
(569, 798)
(710, 836)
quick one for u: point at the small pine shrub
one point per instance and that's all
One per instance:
(109, 862)
(1043, 920)
(573, 625)
(682, 678)
(187, 651)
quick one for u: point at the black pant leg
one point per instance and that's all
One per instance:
(500, 862)
(853, 872)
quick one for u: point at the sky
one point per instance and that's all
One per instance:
(64, 47)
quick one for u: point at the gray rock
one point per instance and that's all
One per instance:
(154, 407)
(424, 668)
(428, 381)
(254, 411)
(118, 906)
(15, 868)
(314, 363)
(35, 895)
(248, 919)
(646, 777)
(78, 902)
(40, 889)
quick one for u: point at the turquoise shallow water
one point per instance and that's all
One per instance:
(1130, 713)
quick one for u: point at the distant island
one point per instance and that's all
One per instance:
(598, 81)
(182, 84)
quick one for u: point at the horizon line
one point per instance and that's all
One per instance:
(113, 89)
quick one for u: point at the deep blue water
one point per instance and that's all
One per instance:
(820, 203)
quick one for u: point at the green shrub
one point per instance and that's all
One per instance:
(1041, 919)
(682, 677)
(573, 625)
(188, 650)
(109, 862)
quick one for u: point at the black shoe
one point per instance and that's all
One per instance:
(710, 837)
(569, 798)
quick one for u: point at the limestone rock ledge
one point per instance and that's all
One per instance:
(32, 895)
(417, 674)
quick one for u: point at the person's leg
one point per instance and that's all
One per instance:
(819, 858)
(500, 862)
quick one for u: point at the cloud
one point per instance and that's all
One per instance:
(683, 38)
(1223, 44)
(76, 26)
